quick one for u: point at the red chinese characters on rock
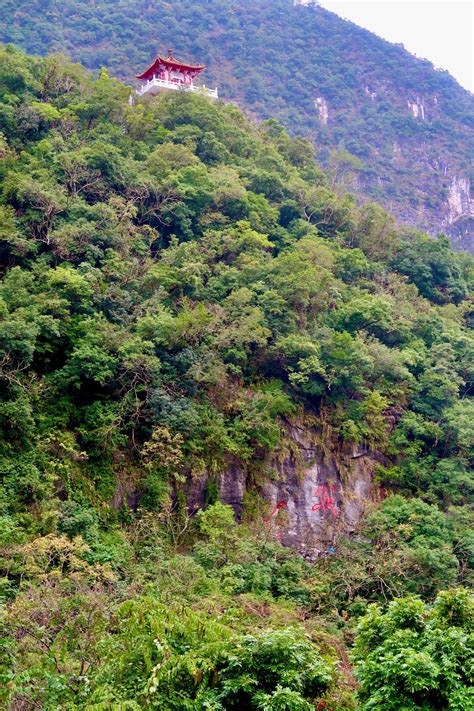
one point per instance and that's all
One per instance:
(326, 499)
(279, 506)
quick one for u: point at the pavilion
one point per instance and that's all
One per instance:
(168, 73)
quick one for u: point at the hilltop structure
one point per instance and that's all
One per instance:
(168, 73)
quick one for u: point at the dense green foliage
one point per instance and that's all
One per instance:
(275, 60)
(165, 635)
(412, 657)
(176, 284)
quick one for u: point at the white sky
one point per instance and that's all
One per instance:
(439, 30)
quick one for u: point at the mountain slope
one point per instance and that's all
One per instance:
(388, 125)
(183, 294)
(190, 318)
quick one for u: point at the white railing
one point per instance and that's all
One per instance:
(157, 84)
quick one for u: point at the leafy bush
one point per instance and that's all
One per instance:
(414, 656)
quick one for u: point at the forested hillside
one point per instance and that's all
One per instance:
(387, 125)
(179, 286)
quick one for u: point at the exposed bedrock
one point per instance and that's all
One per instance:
(314, 492)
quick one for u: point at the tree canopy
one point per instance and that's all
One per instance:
(177, 284)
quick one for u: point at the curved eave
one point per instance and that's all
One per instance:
(175, 64)
(170, 64)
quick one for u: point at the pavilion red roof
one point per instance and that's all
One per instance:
(170, 62)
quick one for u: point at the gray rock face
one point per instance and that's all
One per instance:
(313, 495)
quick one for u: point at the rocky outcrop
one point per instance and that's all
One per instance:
(417, 108)
(458, 215)
(322, 109)
(314, 492)
(325, 493)
(459, 199)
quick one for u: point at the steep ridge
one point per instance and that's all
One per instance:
(356, 96)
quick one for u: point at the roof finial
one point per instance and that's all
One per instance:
(170, 52)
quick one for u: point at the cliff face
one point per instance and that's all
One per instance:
(432, 177)
(314, 493)
(459, 215)
(441, 199)
(409, 126)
